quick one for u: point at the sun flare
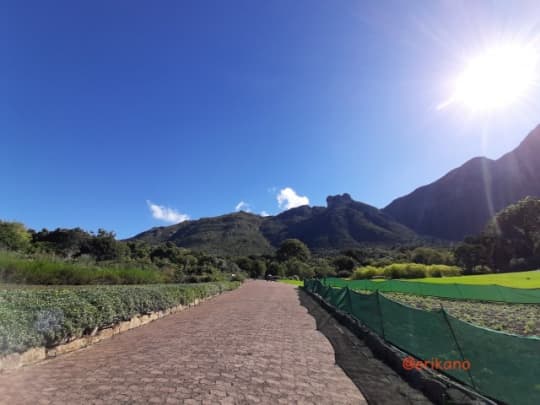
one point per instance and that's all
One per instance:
(499, 77)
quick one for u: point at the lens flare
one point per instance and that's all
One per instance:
(497, 78)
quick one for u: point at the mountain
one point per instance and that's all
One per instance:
(232, 234)
(461, 202)
(344, 223)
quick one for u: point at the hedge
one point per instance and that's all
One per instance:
(406, 270)
(33, 317)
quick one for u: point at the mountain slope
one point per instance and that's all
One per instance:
(461, 202)
(231, 234)
(344, 223)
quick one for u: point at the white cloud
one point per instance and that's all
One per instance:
(264, 214)
(166, 214)
(242, 206)
(287, 199)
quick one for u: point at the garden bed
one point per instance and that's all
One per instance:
(521, 319)
(47, 317)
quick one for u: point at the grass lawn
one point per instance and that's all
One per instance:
(293, 282)
(523, 279)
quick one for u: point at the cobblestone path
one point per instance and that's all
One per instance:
(256, 344)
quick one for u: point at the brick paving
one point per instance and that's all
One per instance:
(256, 344)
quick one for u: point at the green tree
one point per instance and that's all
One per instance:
(295, 267)
(104, 246)
(344, 263)
(276, 269)
(511, 241)
(322, 268)
(519, 225)
(14, 236)
(258, 269)
(62, 242)
(428, 255)
(293, 249)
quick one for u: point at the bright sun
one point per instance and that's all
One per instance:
(497, 78)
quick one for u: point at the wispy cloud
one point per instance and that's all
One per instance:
(287, 199)
(264, 214)
(242, 206)
(166, 214)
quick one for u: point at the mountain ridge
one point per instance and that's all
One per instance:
(462, 201)
(344, 223)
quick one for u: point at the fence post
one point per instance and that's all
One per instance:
(380, 313)
(349, 306)
(457, 345)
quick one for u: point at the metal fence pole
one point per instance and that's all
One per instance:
(457, 344)
(380, 313)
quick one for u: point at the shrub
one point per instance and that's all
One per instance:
(344, 273)
(481, 269)
(31, 317)
(441, 270)
(407, 270)
(366, 272)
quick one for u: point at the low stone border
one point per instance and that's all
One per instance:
(437, 387)
(38, 354)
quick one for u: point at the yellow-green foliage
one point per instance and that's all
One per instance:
(406, 270)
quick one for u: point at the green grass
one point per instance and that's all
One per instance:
(52, 271)
(523, 279)
(292, 282)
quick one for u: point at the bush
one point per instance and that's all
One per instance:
(481, 269)
(238, 277)
(31, 317)
(407, 270)
(441, 270)
(366, 272)
(344, 273)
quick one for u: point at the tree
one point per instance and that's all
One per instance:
(139, 251)
(343, 263)
(276, 269)
(63, 242)
(298, 268)
(511, 241)
(104, 246)
(428, 255)
(258, 269)
(516, 230)
(322, 268)
(14, 236)
(293, 249)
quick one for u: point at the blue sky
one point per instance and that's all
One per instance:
(115, 113)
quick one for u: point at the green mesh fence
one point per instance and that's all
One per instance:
(502, 366)
(455, 291)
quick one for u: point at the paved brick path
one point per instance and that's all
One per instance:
(253, 345)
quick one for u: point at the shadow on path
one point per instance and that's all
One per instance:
(377, 381)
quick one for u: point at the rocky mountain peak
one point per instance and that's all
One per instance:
(333, 201)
